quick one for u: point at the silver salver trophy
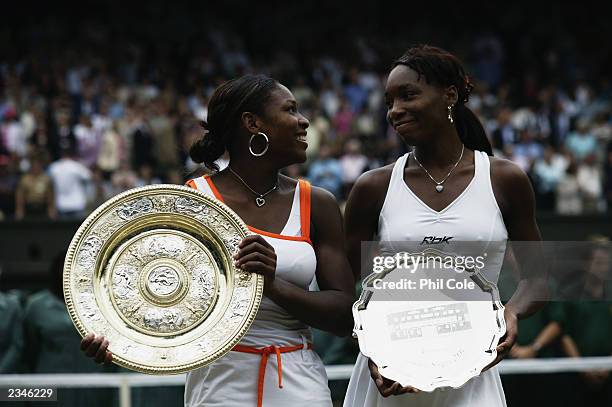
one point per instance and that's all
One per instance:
(423, 334)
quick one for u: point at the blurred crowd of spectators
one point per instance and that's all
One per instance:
(80, 127)
(119, 106)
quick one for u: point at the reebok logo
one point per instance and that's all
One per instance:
(436, 240)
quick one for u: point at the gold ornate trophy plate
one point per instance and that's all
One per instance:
(152, 270)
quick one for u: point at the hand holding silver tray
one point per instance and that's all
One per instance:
(152, 271)
(437, 339)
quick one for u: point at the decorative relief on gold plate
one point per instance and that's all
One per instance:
(152, 270)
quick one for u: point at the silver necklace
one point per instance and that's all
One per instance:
(259, 198)
(439, 186)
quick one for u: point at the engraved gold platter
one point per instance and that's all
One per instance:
(152, 270)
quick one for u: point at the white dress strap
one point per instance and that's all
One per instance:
(201, 184)
(397, 175)
(293, 226)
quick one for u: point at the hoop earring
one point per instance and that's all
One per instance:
(450, 114)
(251, 144)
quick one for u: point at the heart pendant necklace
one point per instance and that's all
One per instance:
(259, 198)
(439, 186)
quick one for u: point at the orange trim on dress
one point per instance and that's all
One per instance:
(277, 235)
(304, 212)
(191, 184)
(213, 188)
(265, 352)
(305, 209)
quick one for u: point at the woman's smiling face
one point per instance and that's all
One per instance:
(416, 109)
(285, 127)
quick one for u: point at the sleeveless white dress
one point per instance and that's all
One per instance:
(233, 380)
(473, 216)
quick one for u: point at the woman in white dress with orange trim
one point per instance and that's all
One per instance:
(447, 187)
(298, 235)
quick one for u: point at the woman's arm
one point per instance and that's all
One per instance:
(517, 204)
(330, 308)
(333, 272)
(361, 222)
(362, 211)
(516, 200)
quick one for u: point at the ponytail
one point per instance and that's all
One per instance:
(470, 130)
(207, 149)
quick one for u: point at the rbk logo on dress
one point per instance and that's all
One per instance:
(436, 239)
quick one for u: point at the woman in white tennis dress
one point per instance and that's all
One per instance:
(447, 188)
(298, 370)
(257, 121)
